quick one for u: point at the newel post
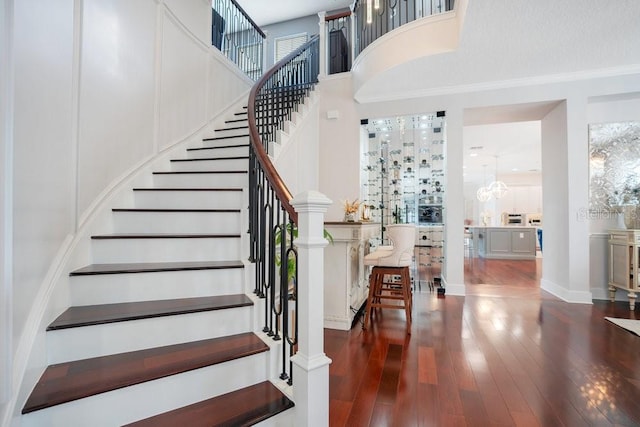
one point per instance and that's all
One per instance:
(322, 43)
(310, 364)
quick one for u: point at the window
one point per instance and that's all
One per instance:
(286, 45)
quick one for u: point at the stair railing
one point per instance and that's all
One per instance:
(272, 219)
(373, 22)
(240, 39)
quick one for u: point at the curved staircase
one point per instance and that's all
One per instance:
(160, 331)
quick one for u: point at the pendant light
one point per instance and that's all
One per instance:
(376, 4)
(498, 188)
(369, 12)
(484, 194)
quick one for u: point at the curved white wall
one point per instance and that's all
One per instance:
(102, 87)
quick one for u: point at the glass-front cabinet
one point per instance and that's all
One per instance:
(403, 181)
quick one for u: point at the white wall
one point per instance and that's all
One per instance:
(297, 160)
(339, 169)
(555, 199)
(102, 88)
(6, 196)
(606, 109)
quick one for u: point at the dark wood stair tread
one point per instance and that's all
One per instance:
(172, 210)
(163, 236)
(211, 159)
(237, 120)
(218, 147)
(231, 128)
(187, 189)
(150, 267)
(65, 382)
(216, 138)
(88, 315)
(243, 407)
(197, 172)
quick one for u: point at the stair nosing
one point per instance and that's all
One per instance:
(198, 172)
(231, 128)
(219, 147)
(117, 236)
(277, 403)
(211, 158)
(187, 189)
(255, 346)
(215, 138)
(127, 312)
(152, 267)
(176, 210)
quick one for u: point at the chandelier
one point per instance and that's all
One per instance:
(497, 189)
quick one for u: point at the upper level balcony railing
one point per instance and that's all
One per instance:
(235, 34)
(348, 34)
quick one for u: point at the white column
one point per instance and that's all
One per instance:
(6, 204)
(310, 364)
(324, 51)
(352, 36)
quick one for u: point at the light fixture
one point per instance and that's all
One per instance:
(498, 188)
(376, 4)
(369, 12)
(484, 194)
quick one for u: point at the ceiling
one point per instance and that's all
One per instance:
(265, 12)
(503, 137)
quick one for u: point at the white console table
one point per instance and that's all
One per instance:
(624, 263)
(345, 276)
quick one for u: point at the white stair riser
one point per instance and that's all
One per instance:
(99, 340)
(211, 165)
(141, 401)
(131, 287)
(177, 222)
(189, 200)
(238, 140)
(229, 132)
(199, 180)
(162, 250)
(218, 152)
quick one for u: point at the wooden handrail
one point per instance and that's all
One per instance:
(270, 172)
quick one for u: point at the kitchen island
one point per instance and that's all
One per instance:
(506, 242)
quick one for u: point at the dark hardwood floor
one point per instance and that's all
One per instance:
(507, 354)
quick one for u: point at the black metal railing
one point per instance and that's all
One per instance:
(235, 34)
(372, 22)
(338, 27)
(272, 219)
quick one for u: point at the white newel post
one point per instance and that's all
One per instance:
(322, 47)
(310, 364)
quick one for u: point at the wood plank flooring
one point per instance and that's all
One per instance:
(507, 354)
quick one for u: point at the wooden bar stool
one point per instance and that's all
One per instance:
(390, 279)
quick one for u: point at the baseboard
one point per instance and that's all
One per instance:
(574, 297)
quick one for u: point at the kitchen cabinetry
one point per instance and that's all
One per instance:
(345, 275)
(509, 242)
(624, 263)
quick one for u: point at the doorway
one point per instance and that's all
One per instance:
(504, 222)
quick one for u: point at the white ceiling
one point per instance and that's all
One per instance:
(265, 12)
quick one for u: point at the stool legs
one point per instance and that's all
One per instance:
(380, 290)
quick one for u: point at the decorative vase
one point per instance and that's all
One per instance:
(350, 217)
(631, 214)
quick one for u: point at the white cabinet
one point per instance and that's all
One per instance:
(345, 276)
(624, 263)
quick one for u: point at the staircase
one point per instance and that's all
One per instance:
(160, 331)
